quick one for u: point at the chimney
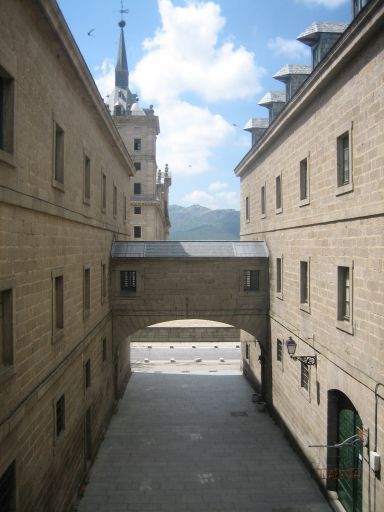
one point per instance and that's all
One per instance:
(293, 76)
(257, 126)
(321, 37)
(274, 102)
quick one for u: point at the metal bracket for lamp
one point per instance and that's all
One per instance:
(291, 348)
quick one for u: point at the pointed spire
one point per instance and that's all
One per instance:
(121, 70)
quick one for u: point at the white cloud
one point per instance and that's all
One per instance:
(330, 4)
(185, 56)
(221, 200)
(290, 48)
(189, 135)
(217, 185)
(105, 77)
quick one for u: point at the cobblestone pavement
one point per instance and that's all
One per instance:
(195, 443)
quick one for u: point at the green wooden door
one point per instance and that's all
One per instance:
(349, 483)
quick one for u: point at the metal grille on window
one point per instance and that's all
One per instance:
(346, 301)
(345, 159)
(279, 350)
(128, 280)
(60, 415)
(304, 376)
(303, 179)
(251, 280)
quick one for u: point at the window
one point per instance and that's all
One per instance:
(87, 291)
(104, 348)
(8, 489)
(6, 327)
(247, 212)
(304, 376)
(247, 351)
(137, 188)
(60, 415)
(279, 276)
(358, 5)
(262, 200)
(137, 232)
(304, 184)
(137, 210)
(103, 192)
(279, 350)
(304, 283)
(58, 157)
(114, 201)
(87, 180)
(137, 166)
(344, 163)
(128, 280)
(125, 208)
(87, 374)
(278, 194)
(6, 111)
(251, 280)
(344, 283)
(137, 144)
(58, 305)
(103, 282)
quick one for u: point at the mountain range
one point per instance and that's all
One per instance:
(200, 223)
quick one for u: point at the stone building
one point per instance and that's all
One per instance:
(139, 128)
(65, 187)
(312, 187)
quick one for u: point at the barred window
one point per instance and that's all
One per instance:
(137, 144)
(252, 280)
(279, 350)
(304, 376)
(128, 280)
(60, 415)
(304, 179)
(343, 164)
(87, 374)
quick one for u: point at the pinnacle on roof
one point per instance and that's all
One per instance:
(310, 34)
(257, 122)
(292, 69)
(273, 97)
(121, 70)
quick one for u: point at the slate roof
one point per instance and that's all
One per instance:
(293, 69)
(189, 249)
(316, 27)
(257, 122)
(273, 97)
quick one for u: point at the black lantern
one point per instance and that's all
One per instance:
(291, 348)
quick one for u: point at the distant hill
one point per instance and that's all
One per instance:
(200, 223)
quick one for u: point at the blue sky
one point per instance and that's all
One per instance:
(204, 65)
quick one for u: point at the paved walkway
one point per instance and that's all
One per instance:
(195, 443)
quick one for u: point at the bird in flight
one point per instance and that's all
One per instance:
(90, 32)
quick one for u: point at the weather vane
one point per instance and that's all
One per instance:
(122, 10)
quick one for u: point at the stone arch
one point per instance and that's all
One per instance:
(344, 463)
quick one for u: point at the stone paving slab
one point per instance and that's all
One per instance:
(174, 446)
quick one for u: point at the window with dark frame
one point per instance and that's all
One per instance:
(137, 166)
(87, 179)
(103, 281)
(343, 163)
(304, 179)
(87, 374)
(114, 201)
(58, 170)
(247, 351)
(87, 290)
(262, 200)
(137, 210)
(59, 302)
(137, 188)
(137, 144)
(6, 327)
(60, 415)
(104, 348)
(344, 309)
(128, 280)
(304, 376)
(125, 208)
(279, 350)
(103, 192)
(247, 212)
(8, 489)
(304, 283)
(6, 111)
(278, 275)
(251, 280)
(278, 192)
(137, 232)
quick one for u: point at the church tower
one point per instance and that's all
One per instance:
(139, 128)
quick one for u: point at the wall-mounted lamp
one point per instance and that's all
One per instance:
(291, 347)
